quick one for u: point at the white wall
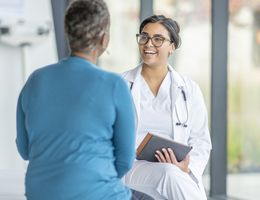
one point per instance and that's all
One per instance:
(11, 81)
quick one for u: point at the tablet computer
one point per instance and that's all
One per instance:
(151, 143)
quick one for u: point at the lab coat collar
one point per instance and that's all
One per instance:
(133, 75)
(177, 79)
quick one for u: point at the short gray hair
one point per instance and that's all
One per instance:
(85, 22)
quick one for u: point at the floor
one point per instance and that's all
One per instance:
(244, 186)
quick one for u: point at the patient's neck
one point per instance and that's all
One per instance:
(91, 57)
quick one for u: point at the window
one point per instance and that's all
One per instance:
(122, 53)
(243, 99)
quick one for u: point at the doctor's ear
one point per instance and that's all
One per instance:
(172, 49)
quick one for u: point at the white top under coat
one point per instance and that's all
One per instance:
(155, 111)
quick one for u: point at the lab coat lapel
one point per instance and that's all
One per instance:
(175, 91)
(176, 82)
(134, 77)
(136, 98)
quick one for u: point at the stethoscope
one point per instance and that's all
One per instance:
(179, 122)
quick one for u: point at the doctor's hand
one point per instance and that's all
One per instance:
(167, 156)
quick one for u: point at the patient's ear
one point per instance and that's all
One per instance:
(104, 40)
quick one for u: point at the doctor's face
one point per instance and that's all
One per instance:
(155, 45)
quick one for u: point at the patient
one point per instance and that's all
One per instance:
(75, 122)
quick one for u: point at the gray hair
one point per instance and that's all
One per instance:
(85, 22)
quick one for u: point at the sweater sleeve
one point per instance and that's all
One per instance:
(22, 136)
(124, 128)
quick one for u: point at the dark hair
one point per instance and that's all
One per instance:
(85, 22)
(171, 25)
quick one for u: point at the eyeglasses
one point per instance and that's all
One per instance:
(157, 41)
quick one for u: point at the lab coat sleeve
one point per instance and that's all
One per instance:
(22, 136)
(199, 134)
(124, 128)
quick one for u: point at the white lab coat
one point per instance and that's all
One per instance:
(196, 134)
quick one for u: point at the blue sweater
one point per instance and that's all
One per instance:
(75, 125)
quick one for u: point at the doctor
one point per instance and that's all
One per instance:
(172, 106)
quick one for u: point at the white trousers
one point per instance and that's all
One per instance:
(164, 181)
